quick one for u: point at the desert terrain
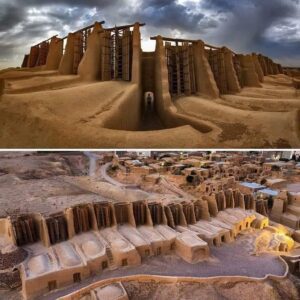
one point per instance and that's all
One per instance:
(49, 183)
(45, 110)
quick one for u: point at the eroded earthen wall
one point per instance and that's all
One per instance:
(90, 66)
(55, 54)
(258, 68)
(233, 85)
(66, 65)
(217, 63)
(250, 77)
(33, 56)
(205, 82)
(43, 54)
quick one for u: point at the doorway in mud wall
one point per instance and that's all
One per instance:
(150, 119)
(148, 102)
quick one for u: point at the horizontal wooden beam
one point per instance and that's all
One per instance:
(212, 47)
(84, 28)
(89, 27)
(176, 40)
(45, 41)
(122, 27)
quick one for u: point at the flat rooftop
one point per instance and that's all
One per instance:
(252, 185)
(269, 192)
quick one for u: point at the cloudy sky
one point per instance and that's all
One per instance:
(271, 27)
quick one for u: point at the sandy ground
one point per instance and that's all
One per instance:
(214, 290)
(45, 196)
(34, 84)
(39, 166)
(285, 289)
(257, 117)
(25, 73)
(73, 118)
(36, 183)
(45, 110)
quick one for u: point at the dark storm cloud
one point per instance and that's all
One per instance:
(10, 15)
(250, 25)
(267, 26)
(168, 14)
(24, 23)
(15, 11)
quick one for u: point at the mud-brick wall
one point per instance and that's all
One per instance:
(217, 63)
(126, 111)
(6, 230)
(33, 56)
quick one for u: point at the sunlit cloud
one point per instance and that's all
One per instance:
(270, 27)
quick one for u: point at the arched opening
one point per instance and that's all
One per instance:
(150, 119)
(148, 101)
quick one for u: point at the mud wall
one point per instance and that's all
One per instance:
(25, 61)
(205, 82)
(233, 85)
(258, 68)
(250, 77)
(263, 64)
(90, 66)
(6, 230)
(125, 112)
(43, 54)
(33, 56)
(55, 54)
(217, 64)
(67, 61)
(163, 103)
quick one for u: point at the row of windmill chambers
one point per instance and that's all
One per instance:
(115, 46)
(193, 67)
(176, 214)
(230, 71)
(88, 238)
